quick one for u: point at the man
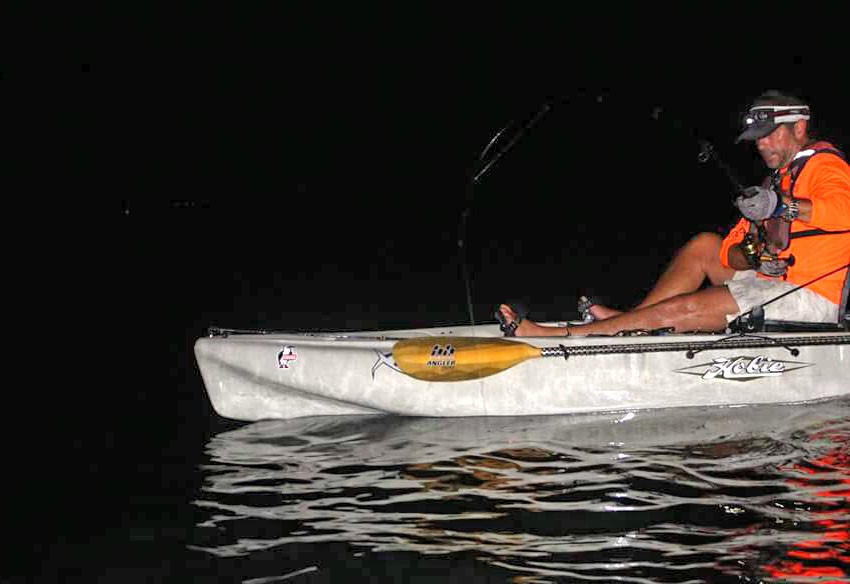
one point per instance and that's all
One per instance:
(795, 228)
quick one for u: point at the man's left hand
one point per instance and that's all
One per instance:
(758, 203)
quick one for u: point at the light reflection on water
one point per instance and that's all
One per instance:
(708, 495)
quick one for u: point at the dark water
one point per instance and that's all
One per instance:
(707, 495)
(724, 495)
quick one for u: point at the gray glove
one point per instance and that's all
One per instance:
(758, 203)
(774, 268)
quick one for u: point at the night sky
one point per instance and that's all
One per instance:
(316, 178)
(284, 170)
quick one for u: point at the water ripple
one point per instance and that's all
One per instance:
(709, 495)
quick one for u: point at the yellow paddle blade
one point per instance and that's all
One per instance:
(459, 358)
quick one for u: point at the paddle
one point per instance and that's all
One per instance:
(466, 358)
(461, 358)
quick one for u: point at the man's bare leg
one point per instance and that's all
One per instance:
(693, 263)
(703, 310)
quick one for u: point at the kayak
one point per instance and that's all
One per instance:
(467, 371)
(474, 371)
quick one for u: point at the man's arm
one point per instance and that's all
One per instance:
(823, 193)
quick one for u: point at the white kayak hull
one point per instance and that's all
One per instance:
(288, 375)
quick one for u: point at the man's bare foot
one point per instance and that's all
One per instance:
(601, 312)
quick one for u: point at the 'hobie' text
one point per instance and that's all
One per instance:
(744, 368)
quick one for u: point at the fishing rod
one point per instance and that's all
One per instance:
(707, 152)
(483, 164)
(479, 168)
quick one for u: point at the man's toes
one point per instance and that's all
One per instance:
(507, 312)
(601, 312)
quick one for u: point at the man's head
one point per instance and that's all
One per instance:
(778, 124)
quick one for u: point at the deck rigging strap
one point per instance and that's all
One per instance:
(217, 331)
(736, 341)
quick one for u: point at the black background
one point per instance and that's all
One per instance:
(278, 170)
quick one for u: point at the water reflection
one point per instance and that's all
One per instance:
(681, 496)
(823, 554)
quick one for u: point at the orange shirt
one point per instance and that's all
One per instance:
(825, 181)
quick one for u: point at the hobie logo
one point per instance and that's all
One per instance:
(743, 368)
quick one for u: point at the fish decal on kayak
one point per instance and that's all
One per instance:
(384, 359)
(743, 368)
(286, 356)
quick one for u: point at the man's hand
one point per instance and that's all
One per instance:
(774, 268)
(758, 203)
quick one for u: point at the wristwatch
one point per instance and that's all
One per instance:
(791, 211)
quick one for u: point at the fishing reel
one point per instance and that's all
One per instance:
(751, 246)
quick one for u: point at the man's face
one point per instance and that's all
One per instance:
(779, 147)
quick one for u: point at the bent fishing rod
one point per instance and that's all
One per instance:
(483, 164)
(479, 168)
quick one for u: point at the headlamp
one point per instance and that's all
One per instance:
(776, 114)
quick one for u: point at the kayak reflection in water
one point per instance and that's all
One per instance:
(793, 229)
(493, 472)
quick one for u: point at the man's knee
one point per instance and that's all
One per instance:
(702, 249)
(705, 243)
